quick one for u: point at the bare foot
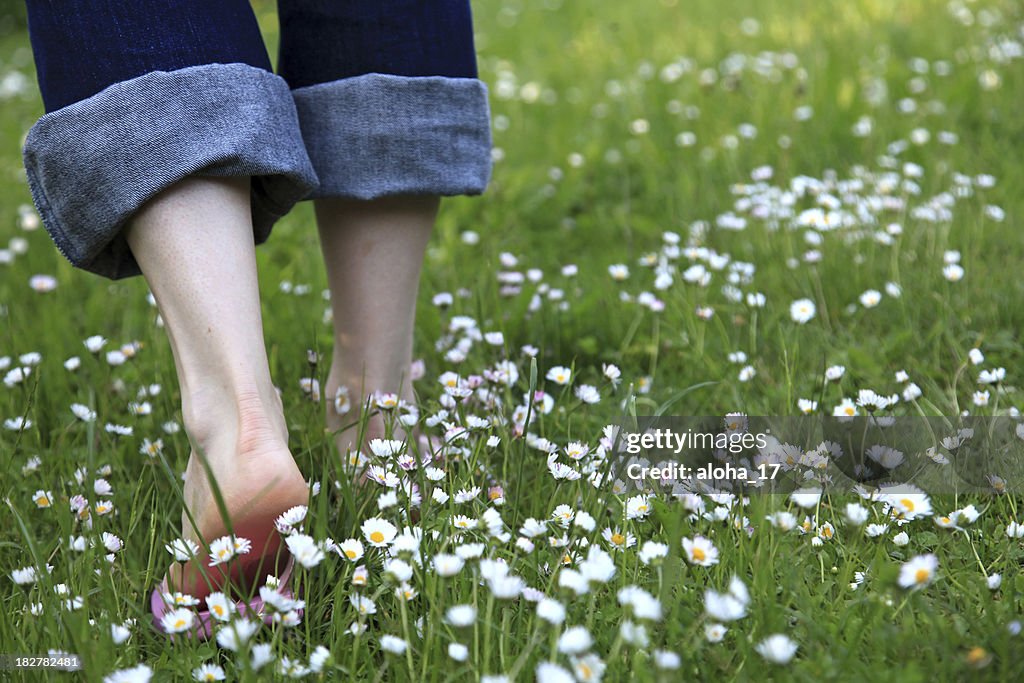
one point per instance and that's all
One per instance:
(258, 480)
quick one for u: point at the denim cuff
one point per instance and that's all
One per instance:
(94, 163)
(377, 135)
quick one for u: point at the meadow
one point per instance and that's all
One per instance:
(697, 209)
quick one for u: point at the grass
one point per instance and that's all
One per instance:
(589, 103)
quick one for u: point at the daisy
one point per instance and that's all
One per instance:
(700, 551)
(448, 565)
(42, 499)
(870, 298)
(464, 523)
(777, 649)
(846, 409)
(136, 674)
(378, 532)
(461, 616)
(559, 375)
(182, 549)
(177, 620)
(638, 507)
(575, 640)
(549, 672)
(918, 571)
(306, 551)
(802, 310)
(617, 539)
(208, 672)
(652, 552)
(220, 607)
(352, 550)
(728, 606)
(222, 550)
(393, 644)
(714, 632)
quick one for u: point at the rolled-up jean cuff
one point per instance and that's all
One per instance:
(94, 163)
(378, 135)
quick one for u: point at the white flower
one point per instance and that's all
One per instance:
(559, 375)
(378, 532)
(319, 658)
(234, 635)
(666, 660)
(182, 549)
(208, 672)
(136, 674)
(219, 606)
(856, 513)
(447, 565)
(261, 655)
(700, 551)
(588, 394)
(306, 551)
(806, 498)
(83, 412)
(618, 271)
(778, 649)
(802, 310)
(714, 632)
(549, 672)
(953, 272)
(652, 551)
(901, 539)
(222, 550)
(393, 644)
(551, 611)
(834, 372)
(575, 640)
(461, 615)
(728, 606)
(976, 356)
(918, 571)
(870, 298)
(177, 620)
(94, 343)
(458, 652)
(994, 582)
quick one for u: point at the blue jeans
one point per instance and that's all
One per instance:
(373, 98)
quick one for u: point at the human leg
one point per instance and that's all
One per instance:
(169, 149)
(393, 117)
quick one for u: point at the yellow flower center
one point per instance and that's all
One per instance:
(922, 575)
(699, 555)
(849, 410)
(907, 503)
(219, 610)
(377, 537)
(351, 554)
(42, 500)
(180, 623)
(618, 539)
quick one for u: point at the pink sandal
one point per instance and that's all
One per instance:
(202, 627)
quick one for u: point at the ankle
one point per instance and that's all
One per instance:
(239, 420)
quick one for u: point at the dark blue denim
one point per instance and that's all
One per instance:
(83, 46)
(376, 98)
(326, 40)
